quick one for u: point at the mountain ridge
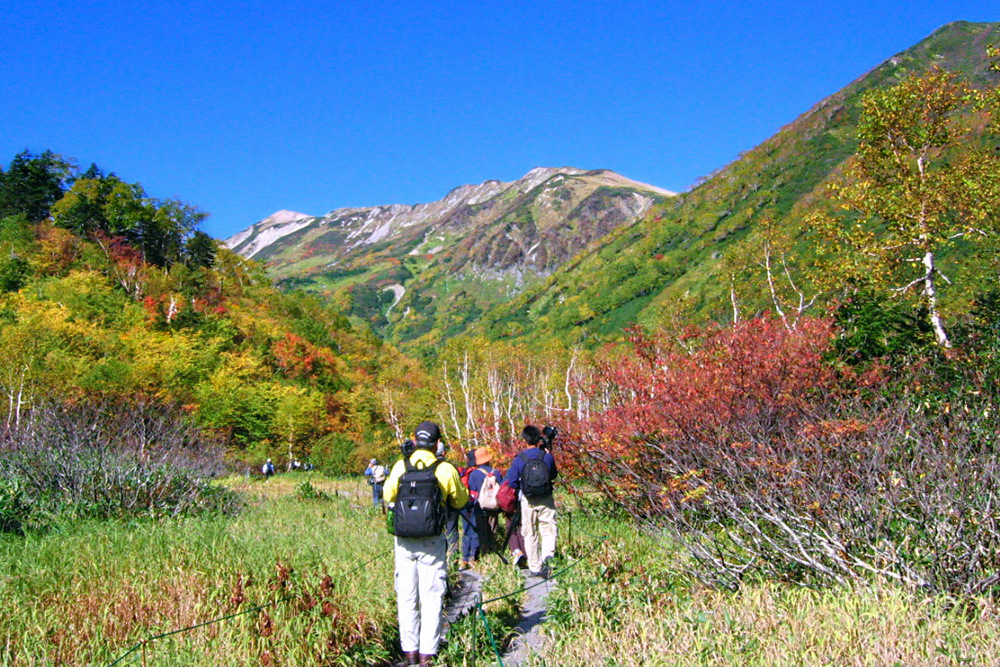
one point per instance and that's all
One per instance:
(480, 243)
(284, 222)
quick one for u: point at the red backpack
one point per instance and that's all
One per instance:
(465, 472)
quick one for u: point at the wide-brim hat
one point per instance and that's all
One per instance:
(483, 455)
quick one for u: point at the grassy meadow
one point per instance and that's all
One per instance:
(631, 603)
(318, 556)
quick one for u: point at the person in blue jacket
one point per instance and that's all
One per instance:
(532, 473)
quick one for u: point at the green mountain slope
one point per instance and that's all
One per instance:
(674, 261)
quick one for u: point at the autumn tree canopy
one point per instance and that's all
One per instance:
(926, 175)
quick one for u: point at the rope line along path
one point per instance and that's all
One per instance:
(533, 612)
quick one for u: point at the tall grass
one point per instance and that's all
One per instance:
(87, 594)
(312, 550)
(632, 604)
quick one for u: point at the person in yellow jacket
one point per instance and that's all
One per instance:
(421, 562)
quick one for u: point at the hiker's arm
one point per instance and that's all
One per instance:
(513, 477)
(455, 492)
(391, 488)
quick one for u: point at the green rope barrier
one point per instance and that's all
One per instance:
(489, 634)
(274, 603)
(149, 640)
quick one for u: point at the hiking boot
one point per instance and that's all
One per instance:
(544, 572)
(520, 560)
(412, 658)
(426, 660)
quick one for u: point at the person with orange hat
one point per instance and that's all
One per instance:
(476, 533)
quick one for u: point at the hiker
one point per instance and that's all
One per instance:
(532, 473)
(507, 503)
(419, 488)
(267, 469)
(376, 474)
(478, 530)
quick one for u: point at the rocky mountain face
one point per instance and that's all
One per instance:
(480, 242)
(534, 223)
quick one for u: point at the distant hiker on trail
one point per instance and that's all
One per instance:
(267, 469)
(376, 474)
(532, 472)
(419, 488)
(483, 481)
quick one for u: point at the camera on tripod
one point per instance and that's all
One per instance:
(549, 434)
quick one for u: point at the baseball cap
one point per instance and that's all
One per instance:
(427, 433)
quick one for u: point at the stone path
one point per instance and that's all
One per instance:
(529, 640)
(463, 598)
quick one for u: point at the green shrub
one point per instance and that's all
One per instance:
(306, 491)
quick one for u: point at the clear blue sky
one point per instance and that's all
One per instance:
(246, 108)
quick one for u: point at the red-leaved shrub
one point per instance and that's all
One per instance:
(762, 454)
(726, 388)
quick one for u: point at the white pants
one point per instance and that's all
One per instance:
(421, 582)
(538, 528)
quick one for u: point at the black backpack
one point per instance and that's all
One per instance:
(535, 479)
(419, 510)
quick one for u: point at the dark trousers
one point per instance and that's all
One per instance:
(451, 530)
(470, 536)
